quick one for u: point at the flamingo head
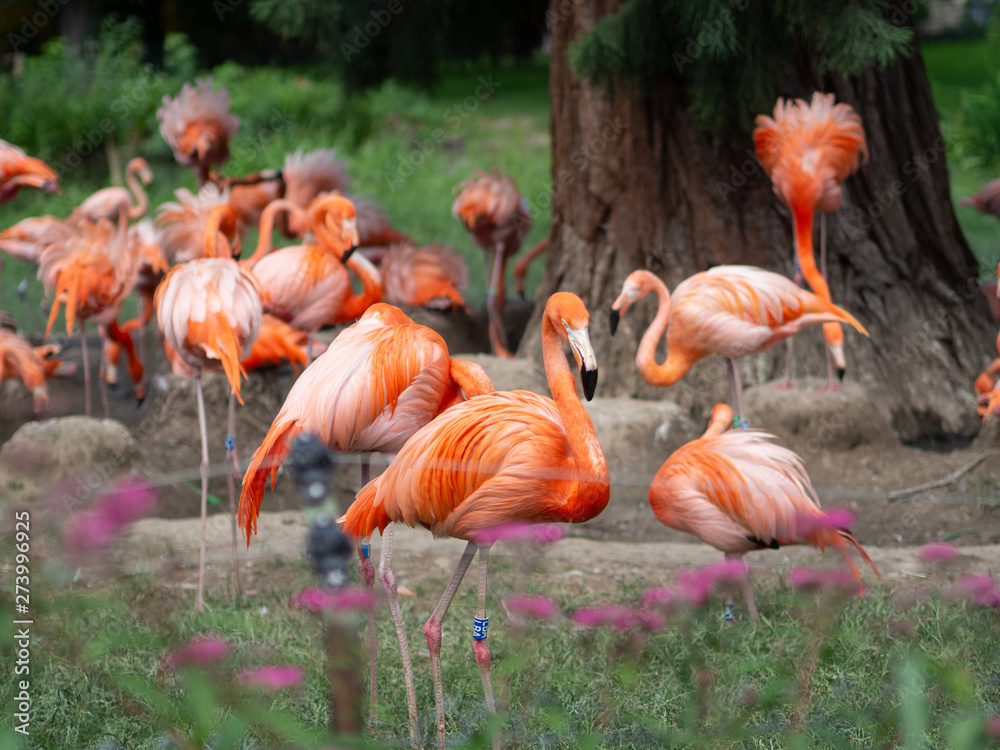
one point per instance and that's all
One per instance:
(335, 219)
(636, 286)
(569, 317)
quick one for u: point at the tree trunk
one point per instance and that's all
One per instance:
(636, 185)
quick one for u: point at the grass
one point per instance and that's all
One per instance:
(864, 672)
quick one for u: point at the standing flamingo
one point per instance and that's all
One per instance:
(27, 239)
(209, 311)
(108, 201)
(492, 210)
(380, 381)
(308, 286)
(18, 170)
(307, 175)
(729, 310)
(92, 274)
(183, 222)
(808, 150)
(197, 125)
(739, 492)
(494, 459)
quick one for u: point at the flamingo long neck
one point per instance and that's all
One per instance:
(220, 221)
(802, 222)
(676, 365)
(354, 305)
(265, 238)
(141, 201)
(591, 467)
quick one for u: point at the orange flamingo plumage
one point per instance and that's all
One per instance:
(808, 149)
(492, 210)
(307, 175)
(986, 200)
(106, 202)
(27, 239)
(494, 459)
(738, 492)
(308, 286)
(91, 274)
(433, 276)
(729, 310)
(197, 125)
(209, 311)
(277, 342)
(987, 388)
(182, 223)
(18, 170)
(27, 363)
(380, 381)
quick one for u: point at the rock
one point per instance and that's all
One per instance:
(637, 437)
(80, 455)
(810, 422)
(510, 374)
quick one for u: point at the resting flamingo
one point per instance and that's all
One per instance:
(29, 364)
(18, 170)
(197, 125)
(492, 210)
(729, 310)
(494, 459)
(92, 274)
(308, 286)
(808, 149)
(738, 492)
(209, 311)
(106, 202)
(380, 381)
(433, 276)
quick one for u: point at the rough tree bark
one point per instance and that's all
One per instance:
(636, 185)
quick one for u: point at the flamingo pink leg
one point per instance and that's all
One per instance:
(203, 424)
(102, 372)
(367, 571)
(736, 386)
(480, 649)
(232, 457)
(388, 580)
(432, 631)
(86, 368)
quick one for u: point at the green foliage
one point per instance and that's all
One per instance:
(309, 21)
(732, 57)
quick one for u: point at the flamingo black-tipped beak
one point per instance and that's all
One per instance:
(348, 253)
(613, 317)
(841, 371)
(589, 378)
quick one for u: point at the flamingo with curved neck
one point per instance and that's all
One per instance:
(729, 310)
(265, 236)
(496, 459)
(109, 202)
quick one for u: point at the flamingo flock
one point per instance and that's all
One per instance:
(467, 458)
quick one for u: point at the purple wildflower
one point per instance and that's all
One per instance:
(812, 580)
(198, 652)
(272, 677)
(649, 620)
(539, 607)
(124, 504)
(937, 552)
(661, 596)
(993, 727)
(695, 585)
(614, 616)
(833, 519)
(981, 589)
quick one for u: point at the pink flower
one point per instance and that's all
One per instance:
(197, 652)
(271, 677)
(539, 607)
(937, 552)
(695, 585)
(124, 504)
(318, 600)
(651, 621)
(609, 615)
(981, 589)
(836, 581)
(833, 519)
(993, 727)
(660, 596)
(519, 531)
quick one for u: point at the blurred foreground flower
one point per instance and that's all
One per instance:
(318, 600)
(833, 518)
(695, 585)
(937, 552)
(981, 589)
(198, 652)
(993, 727)
(538, 607)
(518, 531)
(618, 617)
(834, 581)
(124, 504)
(271, 677)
